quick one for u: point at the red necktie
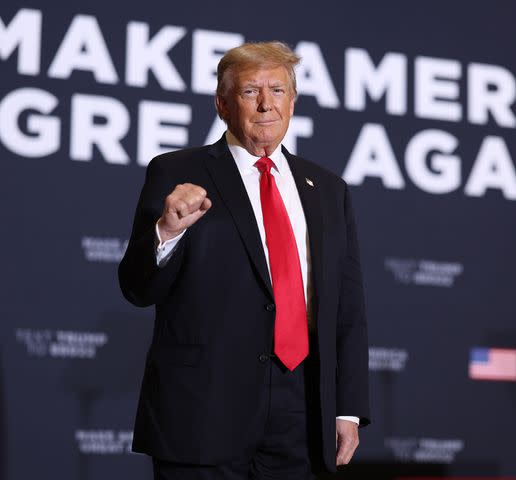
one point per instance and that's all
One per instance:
(291, 324)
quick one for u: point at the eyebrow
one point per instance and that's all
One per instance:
(255, 85)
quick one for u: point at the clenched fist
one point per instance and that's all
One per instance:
(183, 207)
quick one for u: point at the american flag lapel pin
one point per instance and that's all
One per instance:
(309, 181)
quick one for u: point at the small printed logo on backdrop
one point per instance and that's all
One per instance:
(424, 272)
(103, 249)
(496, 364)
(61, 343)
(424, 450)
(387, 359)
(104, 442)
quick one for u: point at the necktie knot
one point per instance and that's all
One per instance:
(264, 164)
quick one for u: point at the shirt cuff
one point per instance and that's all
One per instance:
(350, 418)
(164, 250)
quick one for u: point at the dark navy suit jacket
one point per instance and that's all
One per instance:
(215, 309)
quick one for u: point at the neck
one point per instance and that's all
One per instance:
(254, 149)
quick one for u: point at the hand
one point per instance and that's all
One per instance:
(347, 440)
(183, 207)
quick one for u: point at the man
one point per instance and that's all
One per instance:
(258, 366)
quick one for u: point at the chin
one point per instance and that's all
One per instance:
(264, 142)
(269, 138)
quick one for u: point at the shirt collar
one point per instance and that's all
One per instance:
(245, 161)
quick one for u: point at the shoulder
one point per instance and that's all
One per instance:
(321, 174)
(187, 158)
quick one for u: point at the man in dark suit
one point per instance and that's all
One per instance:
(258, 366)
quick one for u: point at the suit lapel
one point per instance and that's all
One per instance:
(310, 199)
(230, 186)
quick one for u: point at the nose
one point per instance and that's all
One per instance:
(264, 101)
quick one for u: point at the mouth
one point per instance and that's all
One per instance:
(265, 122)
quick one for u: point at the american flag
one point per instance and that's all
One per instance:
(492, 364)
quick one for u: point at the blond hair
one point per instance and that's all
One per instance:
(258, 54)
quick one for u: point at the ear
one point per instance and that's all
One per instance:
(222, 107)
(292, 102)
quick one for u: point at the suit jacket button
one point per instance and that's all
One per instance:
(270, 307)
(263, 357)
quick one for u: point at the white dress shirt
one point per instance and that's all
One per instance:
(288, 190)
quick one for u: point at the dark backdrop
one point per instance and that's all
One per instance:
(412, 102)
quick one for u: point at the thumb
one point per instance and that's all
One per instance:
(205, 205)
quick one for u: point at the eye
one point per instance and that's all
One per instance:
(249, 92)
(278, 90)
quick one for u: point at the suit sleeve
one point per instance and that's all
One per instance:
(142, 282)
(352, 343)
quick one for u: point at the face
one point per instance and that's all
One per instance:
(257, 107)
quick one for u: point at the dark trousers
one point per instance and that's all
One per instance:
(284, 441)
